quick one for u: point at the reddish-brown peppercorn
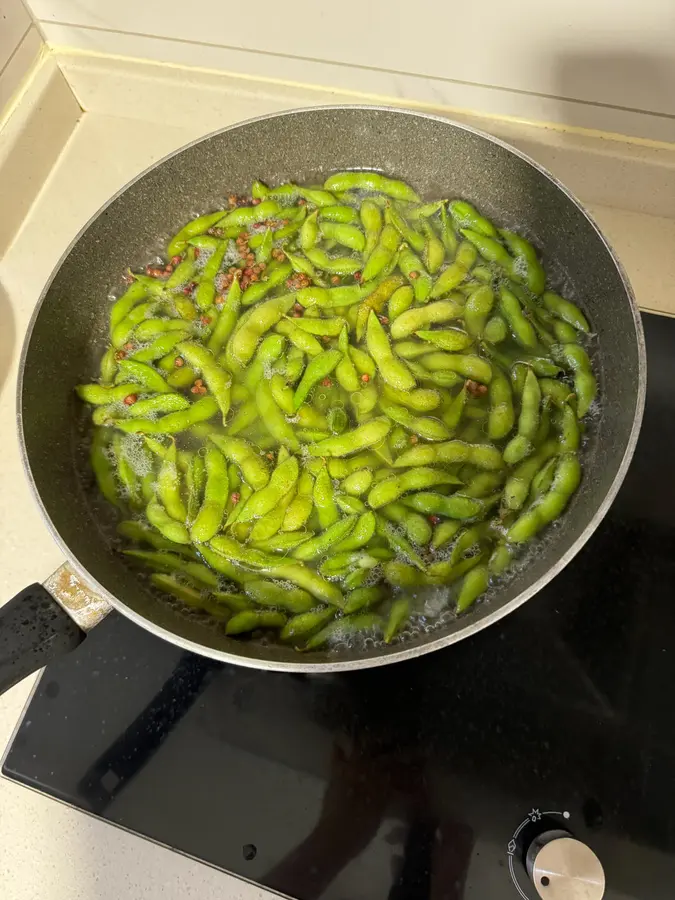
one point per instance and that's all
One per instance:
(365, 377)
(384, 320)
(434, 519)
(335, 279)
(120, 354)
(325, 338)
(179, 362)
(326, 382)
(130, 399)
(235, 497)
(175, 260)
(168, 269)
(196, 252)
(475, 388)
(357, 276)
(413, 439)
(413, 275)
(255, 201)
(302, 202)
(205, 320)
(127, 278)
(128, 346)
(232, 200)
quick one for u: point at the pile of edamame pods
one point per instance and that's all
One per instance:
(332, 398)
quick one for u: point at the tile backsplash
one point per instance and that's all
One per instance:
(605, 64)
(20, 44)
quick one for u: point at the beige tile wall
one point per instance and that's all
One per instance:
(603, 64)
(20, 46)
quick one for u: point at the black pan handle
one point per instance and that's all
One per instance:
(34, 630)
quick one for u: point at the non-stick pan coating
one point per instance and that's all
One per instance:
(438, 157)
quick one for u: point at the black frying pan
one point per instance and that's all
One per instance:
(66, 338)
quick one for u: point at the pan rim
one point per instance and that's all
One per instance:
(405, 652)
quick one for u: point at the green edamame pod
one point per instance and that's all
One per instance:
(521, 329)
(317, 546)
(173, 562)
(490, 249)
(217, 379)
(425, 426)
(392, 370)
(522, 444)
(398, 543)
(456, 272)
(477, 309)
(371, 222)
(475, 583)
(261, 318)
(495, 330)
(464, 215)
(483, 456)
(575, 359)
(358, 482)
(169, 485)
(361, 534)
(250, 619)
(273, 418)
(324, 499)
(551, 504)
(454, 507)
(216, 491)
(416, 527)
(275, 275)
(398, 616)
(318, 369)
(501, 416)
(370, 434)
(383, 254)
(413, 268)
(167, 526)
(420, 317)
(363, 598)
(227, 319)
(371, 182)
(200, 225)
(400, 300)
(238, 451)
(411, 236)
(526, 267)
(453, 411)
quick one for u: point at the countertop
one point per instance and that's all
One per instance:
(49, 851)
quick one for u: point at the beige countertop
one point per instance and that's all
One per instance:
(49, 851)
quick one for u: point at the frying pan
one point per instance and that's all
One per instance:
(68, 332)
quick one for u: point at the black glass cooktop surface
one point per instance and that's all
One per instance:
(422, 779)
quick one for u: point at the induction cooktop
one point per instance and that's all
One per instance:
(534, 759)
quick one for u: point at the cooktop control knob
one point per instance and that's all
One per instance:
(563, 868)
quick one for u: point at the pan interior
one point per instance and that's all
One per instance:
(440, 159)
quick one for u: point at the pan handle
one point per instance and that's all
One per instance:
(43, 622)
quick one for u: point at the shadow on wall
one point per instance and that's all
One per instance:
(634, 90)
(7, 334)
